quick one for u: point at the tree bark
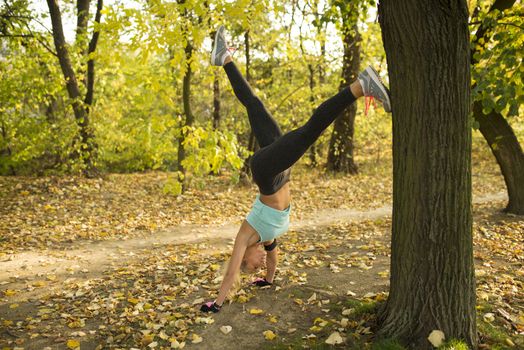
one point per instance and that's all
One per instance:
(341, 145)
(312, 154)
(186, 100)
(216, 96)
(507, 150)
(7, 151)
(91, 61)
(498, 133)
(87, 146)
(432, 271)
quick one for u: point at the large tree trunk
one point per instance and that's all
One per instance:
(87, 146)
(498, 133)
(341, 146)
(506, 148)
(432, 271)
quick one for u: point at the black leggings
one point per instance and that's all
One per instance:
(279, 152)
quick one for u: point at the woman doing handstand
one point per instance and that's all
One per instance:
(270, 167)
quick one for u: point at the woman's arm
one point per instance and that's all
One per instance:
(271, 264)
(239, 248)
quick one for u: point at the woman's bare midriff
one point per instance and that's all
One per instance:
(279, 200)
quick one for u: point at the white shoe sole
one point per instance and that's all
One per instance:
(376, 79)
(214, 51)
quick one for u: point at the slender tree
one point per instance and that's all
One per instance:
(432, 271)
(495, 128)
(341, 145)
(81, 102)
(189, 118)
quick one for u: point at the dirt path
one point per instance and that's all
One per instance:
(90, 259)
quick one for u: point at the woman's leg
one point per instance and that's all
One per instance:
(287, 150)
(264, 127)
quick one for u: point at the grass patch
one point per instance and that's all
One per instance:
(387, 344)
(494, 334)
(454, 345)
(361, 307)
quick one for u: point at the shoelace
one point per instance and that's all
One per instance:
(369, 100)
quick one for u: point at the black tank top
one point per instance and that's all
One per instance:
(269, 186)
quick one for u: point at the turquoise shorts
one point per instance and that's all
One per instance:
(268, 222)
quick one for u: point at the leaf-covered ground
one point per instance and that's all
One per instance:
(114, 263)
(45, 212)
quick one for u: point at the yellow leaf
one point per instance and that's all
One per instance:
(73, 344)
(13, 306)
(320, 322)
(315, 329)
(269, 335)
(195, 338)
(273, 319)
(133, 301)
(39, 284)
(242, 299)
(256, 311)
(9, 292)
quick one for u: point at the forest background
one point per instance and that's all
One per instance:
(113, 125)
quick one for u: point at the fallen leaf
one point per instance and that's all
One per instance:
(489, 317)
(436, 338)
(334, 338)
(73, 344)
(312, 298)
(226, 329)
(256, 311)
(269, 335)
(195, 338)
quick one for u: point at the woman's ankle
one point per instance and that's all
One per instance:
(228, 59)
(356, 89)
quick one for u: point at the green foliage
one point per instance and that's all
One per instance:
(173, 185)
(210, 149)
(498, 75)
(137, 116)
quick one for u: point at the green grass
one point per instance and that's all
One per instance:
(493, 335)
(387, 344)
(454, 345)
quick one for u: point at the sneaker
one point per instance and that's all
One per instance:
(373, 87)
(220, 49)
